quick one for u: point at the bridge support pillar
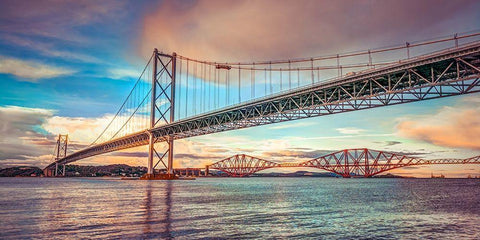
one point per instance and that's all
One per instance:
(150, 155)
(54, 169)
(166, 74)
(59, 170)
(170, 156)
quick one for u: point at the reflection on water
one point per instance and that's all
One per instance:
(150, 219)
(293, 208)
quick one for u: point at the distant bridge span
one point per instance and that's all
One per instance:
(360, 162)
(449, 72)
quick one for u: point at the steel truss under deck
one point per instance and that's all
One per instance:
(442, 74)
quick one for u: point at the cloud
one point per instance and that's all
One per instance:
(56, 19)
(217, 150)
(78, 128)
(289, 154)
(449, 127)
(123, 74)
(47, 49)
(292, 125)
(30, 71)
(261, 30)
(391, 143)
(412, 167)
(350, 130)
(21, 138)
(195, 156)
(28, 135)
(81, 128)
(142, 154)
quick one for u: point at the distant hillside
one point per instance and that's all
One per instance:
(108, 170)
(78, 171)
(22, 171)
(389, 175)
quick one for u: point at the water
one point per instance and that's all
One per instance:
(265, 208)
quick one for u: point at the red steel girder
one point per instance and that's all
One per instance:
(358, 162)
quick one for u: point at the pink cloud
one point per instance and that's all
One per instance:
(451, 127)
(254, 30)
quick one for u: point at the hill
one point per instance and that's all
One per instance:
(78, 171)
(22, 171)
(108, 170)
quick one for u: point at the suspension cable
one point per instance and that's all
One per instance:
(454, 37)
(124, 102)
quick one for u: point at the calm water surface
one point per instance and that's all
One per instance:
(266, 208)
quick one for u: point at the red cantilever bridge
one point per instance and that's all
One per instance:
(346, 163)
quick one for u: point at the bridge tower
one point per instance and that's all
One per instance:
(61, 152)
(162, 111)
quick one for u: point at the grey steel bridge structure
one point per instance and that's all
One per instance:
(451, 71)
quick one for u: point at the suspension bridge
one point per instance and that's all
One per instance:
(178, 97)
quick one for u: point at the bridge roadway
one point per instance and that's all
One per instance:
(444, 73)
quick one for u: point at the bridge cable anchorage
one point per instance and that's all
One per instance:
(361, 162)
(441, 73)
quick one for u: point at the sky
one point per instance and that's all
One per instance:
(66, 66)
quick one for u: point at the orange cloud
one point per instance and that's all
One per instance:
(451, 127)
(260, 30)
